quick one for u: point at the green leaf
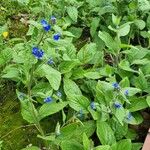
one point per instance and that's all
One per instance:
(28, 111)
(79, 102)
(144, 5)
(67, 66)
(124, 29)
(123, 144)
(132, 91)
(92, 75)
(116, 20)
(53, 76)
(73, 13)
(124, 64)
(138, 104)
(48, 109)
(105, 133)
(70, 87)
(137, 146)
(103, 147)
(113, 45)
(87, 53)
(31, 148)
(86, 142)
(140, 81)
(94, 25)
(148, 100)
(71, 145)
(124, 82)
(140, 24)
(120, 115)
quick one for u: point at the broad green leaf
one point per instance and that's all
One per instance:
(144, 5)
(48, 109)
(70, 87)
(105, 133)
(71, 145)
(148, 100)
(67, 66)
(116, 20)
(132, 91)
(12, 72)
(94, 25)
(92, 75)
(123, 144)
(143, 61)
(73, 13)
(140, 24)
(28, 111)
(138, 104)
(53, 76)
(87, 53)
(124, 29)
(113, 45)
(120, 115)
(140, 81)
(124, 82)
(86, 142)
(137, 146)
(124, 64)
(103, 147)
(79, 102)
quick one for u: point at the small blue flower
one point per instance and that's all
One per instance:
(37, 53)
(48, 99)
(50, 61)
(53, 19)
(56, 36)
(45, 25)
(59, 94)
(117, 105)
(116, 85)
(92, 105)
(80, 114)
(126, 93)
(129, 116)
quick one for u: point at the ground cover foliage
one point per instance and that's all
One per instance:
(79, 71)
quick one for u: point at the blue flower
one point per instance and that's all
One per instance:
(53, 19)
(50, 61)
(48, 99)
(117, 105)
(129, 116)
(56, 36)
(45, 25)
(59, 94)
(126, 93)
(37, 53)
(92, 105)
(116, 85)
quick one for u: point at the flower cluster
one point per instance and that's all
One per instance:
(45, 25)
(116, 86)
(37, 52)
(117, 105)
(56, 36)
(48, 99)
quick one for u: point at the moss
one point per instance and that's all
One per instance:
(11, 122)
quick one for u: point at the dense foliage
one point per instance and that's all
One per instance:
(87, 61)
